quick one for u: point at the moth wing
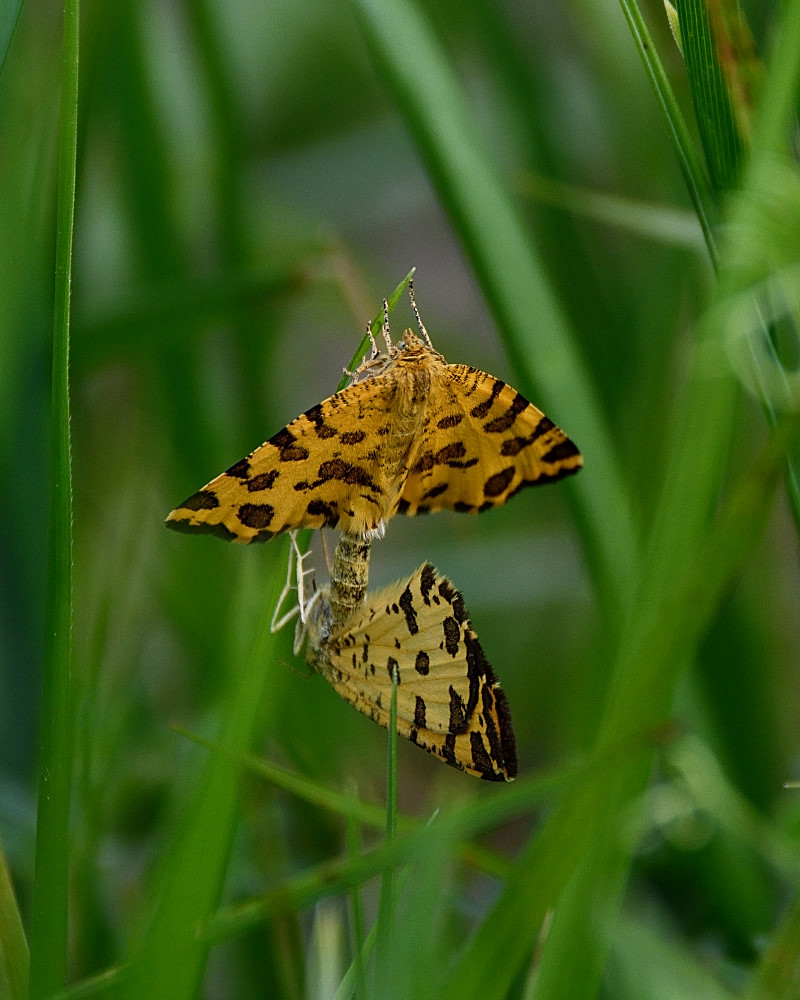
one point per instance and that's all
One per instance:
(324, 469)
(481, 442)
(448, 699)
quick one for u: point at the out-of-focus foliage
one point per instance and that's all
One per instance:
(252, 180)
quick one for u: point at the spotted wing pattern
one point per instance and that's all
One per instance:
(449, 701)
(414, 434)
(480, 443)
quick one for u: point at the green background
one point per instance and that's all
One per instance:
(252, 180)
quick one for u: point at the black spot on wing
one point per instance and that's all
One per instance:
(560, 452)
(202, 500)
(352, 437)
(480, 411)
(451, 420)
(256, 515)
(449, 593)
(419, 714)
(422, 664)
(458, 712)
(406, 602)
(427, 579)
(481, 760)
(326, 509)
(239, 471)
(321, 429)
(505, 420)
(499, 482)
(264, 481)
(452, 635)
(203, 528)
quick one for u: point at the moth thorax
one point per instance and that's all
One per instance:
(349, 577)
(410, 400)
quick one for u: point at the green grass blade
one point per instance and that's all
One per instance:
(535, 331)
(50, 905)
(693, 174)
(171, 961)
(13, 946)
(659, 223)
(719, 132)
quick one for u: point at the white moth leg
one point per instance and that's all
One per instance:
(297, 571)
(277, 623)
(301, 628)
(420, 324)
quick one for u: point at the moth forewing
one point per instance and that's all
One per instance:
(412, 434)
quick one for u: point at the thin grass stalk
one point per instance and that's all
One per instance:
(50, 887)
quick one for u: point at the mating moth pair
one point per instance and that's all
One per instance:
(410, 434)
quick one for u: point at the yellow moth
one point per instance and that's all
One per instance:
(417, 631)
(411, 434)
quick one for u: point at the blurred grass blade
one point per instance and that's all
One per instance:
(653, 222)
(171, 961)
(50, 903)
(13, 946)
(693, 174)
(10, 12)
(532, 323)
(716, 120)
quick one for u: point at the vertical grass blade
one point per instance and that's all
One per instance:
(534, 328)
(171, 961)
(49, 923)
(696, 180)
(719, 132)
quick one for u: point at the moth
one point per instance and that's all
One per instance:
(417, 631)
(411, 434)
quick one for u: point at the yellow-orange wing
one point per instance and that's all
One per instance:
(481, 441)
(449, 701)
(336, 465)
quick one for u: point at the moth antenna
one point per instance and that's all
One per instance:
(375, 351)
(420, 324)
(385, 328)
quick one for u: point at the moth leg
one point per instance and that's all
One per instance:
(420, 324)
(301, 627)
(303, 605)
(297, 571)
(277, 623)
